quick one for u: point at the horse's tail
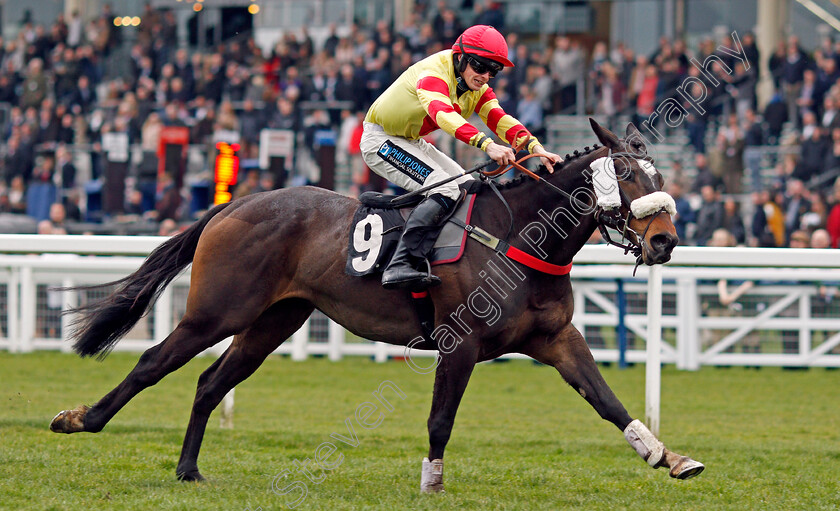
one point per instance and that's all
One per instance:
(101, 324)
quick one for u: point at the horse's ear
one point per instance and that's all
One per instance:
(607, 137)
(635, 140)
(632, 130)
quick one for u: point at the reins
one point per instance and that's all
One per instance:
(605, 218)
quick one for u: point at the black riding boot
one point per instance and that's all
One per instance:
(418, 237)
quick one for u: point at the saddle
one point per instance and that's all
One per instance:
(378, 223)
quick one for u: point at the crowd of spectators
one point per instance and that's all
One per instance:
(59, 95)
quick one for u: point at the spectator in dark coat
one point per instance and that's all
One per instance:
(760, 235)
(8, 89)
(66, 129)
(750, 49)
(795, 205)
(812, 155)
(709, 216)
(793, 71)
(66, 169)
(447, 26)
(47, 127)
(351, 87)
(754, 138)
(832, 157)
(169, 199)
(17, 161)
(251, 122)
(184, 70)
(685, 214)
(732, 220)
(35, 85)
(84, 95)
(284, 117)
(775, 115)
(705, 177)
(776, 63)
(810, 96)
(489, 13)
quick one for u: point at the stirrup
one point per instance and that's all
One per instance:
(430, 280)
(417, 282)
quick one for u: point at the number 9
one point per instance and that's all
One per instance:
(367, 246)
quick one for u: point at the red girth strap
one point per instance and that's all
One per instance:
(537, 264)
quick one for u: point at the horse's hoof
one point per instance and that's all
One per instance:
(686, 468)
(192, 475)
(70, 421)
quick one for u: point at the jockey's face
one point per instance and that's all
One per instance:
(473, 78)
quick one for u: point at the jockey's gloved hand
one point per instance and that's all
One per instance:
(547, 158)
(503, 155)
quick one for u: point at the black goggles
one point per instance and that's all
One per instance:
(482, 66)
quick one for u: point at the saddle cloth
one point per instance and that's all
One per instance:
(377, 226)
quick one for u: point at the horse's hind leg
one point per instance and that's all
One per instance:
(189, 338)
(570, 355)
(204, 325)
(242, 358)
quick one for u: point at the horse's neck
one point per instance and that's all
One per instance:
(541, 211)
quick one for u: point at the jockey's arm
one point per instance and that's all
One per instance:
(509, 128)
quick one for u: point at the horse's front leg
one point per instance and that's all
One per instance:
(570, 355)
(451, 378)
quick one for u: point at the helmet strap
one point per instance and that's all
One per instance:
(461, 65)
(460, 62)
(461, 86)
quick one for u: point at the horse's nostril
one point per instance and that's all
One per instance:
(663, 242)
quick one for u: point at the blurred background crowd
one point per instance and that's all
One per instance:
(768, 176)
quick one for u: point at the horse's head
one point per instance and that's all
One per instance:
(630, 197)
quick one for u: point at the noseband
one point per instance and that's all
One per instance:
(651, 206)
(612, 219)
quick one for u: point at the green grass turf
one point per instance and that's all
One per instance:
(522, 440)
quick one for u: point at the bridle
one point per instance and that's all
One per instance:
(611, 219)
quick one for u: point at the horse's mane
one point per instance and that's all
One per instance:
(543, 172)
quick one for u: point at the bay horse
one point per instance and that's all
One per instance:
(264, 262)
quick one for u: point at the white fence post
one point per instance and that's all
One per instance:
(654, 342)
(69, 300)
(805, 328)
(335, 338)
(28, 316)
(13, 311)
(226, 420)
(299, 342)
(163, 315)
(688, 347)
(380, 352)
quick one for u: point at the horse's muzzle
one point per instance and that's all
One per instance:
(659, 248)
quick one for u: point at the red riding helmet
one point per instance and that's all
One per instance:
(484, 41)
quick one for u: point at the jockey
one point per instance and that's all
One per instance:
(440, 91)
